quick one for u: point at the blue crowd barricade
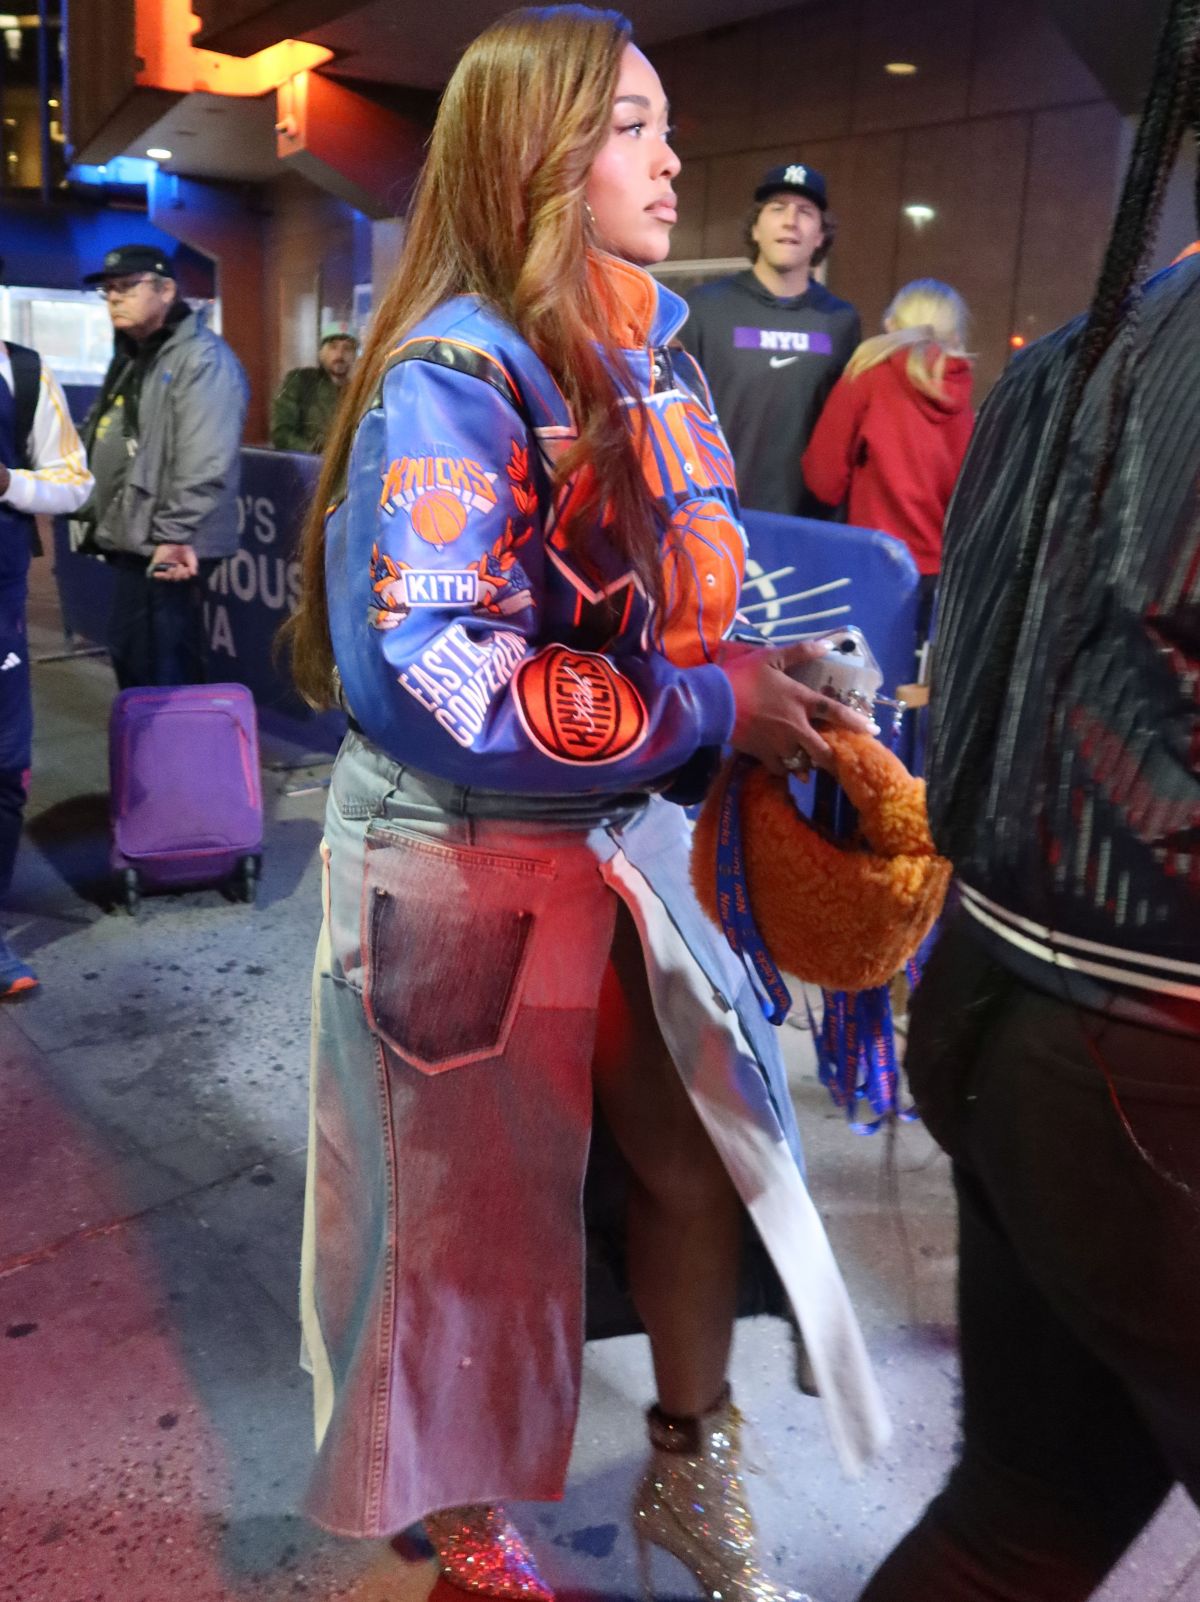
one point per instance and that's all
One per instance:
(805, 576)
(802, 577)
(249, 594)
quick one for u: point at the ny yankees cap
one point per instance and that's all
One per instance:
(796, 178)
(132, 259)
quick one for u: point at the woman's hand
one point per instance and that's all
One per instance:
(775, 716)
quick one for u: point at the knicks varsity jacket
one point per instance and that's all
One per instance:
(470, 641)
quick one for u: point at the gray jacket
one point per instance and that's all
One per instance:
(183, 481)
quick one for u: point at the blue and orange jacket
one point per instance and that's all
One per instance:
(470, 641)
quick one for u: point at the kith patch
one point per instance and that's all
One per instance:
(576, 707)
(457, 587)
(786, 340)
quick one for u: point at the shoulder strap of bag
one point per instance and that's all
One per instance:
(27, 382)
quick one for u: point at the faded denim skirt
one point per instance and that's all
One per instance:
(464, 939)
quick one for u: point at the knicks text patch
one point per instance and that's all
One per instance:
(576, 707)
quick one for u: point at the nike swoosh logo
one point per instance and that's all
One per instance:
(783, 361)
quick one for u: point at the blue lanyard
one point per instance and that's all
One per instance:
(733, 901)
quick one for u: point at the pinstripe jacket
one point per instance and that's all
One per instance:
(1084, 850)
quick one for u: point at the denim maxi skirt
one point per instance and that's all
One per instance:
(454, 1013)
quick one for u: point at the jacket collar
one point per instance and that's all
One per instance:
(180, 323)
(641, 311)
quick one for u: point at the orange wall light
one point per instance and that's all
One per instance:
(169, 60)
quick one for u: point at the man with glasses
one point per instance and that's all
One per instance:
(164, 439)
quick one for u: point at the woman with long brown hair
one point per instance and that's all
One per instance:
(518, 582)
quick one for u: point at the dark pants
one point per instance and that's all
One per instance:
(156, 628)
(1079, 1283)
(16, 726)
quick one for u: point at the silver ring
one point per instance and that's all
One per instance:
(794, 763)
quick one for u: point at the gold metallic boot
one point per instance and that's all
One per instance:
(692, 1504)
(479, 1550)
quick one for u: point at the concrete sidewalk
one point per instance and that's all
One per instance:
(156, 1428)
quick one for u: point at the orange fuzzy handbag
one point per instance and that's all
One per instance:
(842, 914)
(838, 903)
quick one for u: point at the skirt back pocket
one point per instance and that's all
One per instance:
(446, 941)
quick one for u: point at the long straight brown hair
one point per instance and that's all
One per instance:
(500, 213)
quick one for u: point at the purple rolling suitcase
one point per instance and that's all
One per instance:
(186, 794)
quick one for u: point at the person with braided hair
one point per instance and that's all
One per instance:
(1054, 1045)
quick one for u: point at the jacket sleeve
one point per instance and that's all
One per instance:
(829, 459)
(286, 415)
(208, 398)
(438, 623)
(58, 482)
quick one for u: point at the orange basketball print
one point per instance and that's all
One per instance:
(576, 707)
(704, 557)
(438, 516)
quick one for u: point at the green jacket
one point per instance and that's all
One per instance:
(302, 414)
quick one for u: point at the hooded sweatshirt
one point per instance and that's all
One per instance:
(770, 361)
(893, 453)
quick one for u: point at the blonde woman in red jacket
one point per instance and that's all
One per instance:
(895, 428)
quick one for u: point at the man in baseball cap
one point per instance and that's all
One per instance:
(303, 410)
(772, 340)
(164, 440)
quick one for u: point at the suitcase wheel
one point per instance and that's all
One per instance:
(247, 878)
(132, 887)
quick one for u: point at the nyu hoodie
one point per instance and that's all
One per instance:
(893, 453)
(771, 361)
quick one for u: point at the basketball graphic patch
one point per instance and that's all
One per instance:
(576, 707)
(704, 554)
(438, 516)
(438, 493)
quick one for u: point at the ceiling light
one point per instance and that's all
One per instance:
(157, 153)
(901, 69)
(919, 215)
